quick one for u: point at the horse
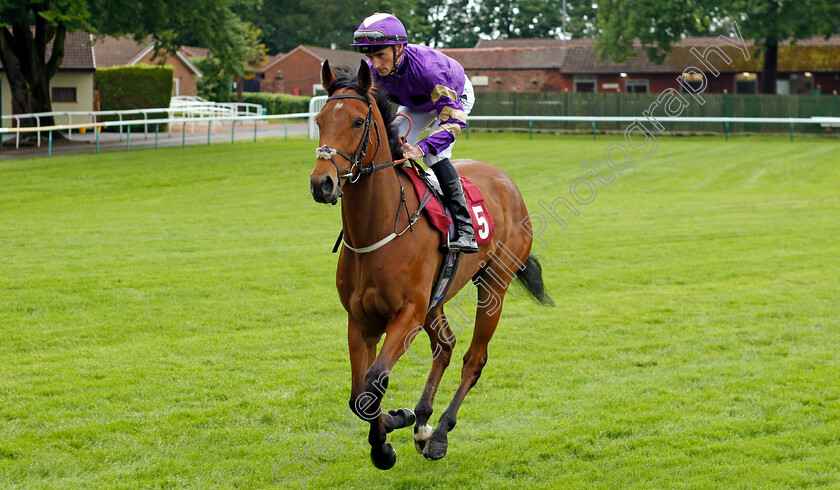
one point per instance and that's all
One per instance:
(384, 278)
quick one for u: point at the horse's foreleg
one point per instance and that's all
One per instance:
(443, 342)
(362, 355)
(376, 380)
(487, 317)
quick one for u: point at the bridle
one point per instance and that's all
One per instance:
(357, 160)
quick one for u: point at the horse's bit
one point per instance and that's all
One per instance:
(327, 153)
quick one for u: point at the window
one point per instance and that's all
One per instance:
(636, 86)
(746, 83)
(801, 84)
(480, 80)
(693, 80)
(64, 94)
(585, 83)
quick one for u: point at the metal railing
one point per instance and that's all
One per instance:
(726, 122)
(194, 110)
(315, 106)
(202, 106)
(826, 122)
(156, 123)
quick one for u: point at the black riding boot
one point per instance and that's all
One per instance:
(450, 183)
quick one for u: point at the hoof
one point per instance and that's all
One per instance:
(421, 437)
(386, 460)
(403, 417)
(436, 448)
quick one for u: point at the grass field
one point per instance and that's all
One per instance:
(169, 319)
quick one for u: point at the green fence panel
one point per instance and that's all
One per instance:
(635, 105)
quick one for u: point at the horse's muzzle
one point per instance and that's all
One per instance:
(323, 189)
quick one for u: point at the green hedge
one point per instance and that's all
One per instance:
(133, 87)
(278, 103)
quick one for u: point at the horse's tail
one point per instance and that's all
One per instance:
(531, 278)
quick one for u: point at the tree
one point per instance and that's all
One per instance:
(657, 24)
(28, 64)
(288, 23)
(461, 23)
(32, 40)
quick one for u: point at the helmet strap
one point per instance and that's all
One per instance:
(396, 61)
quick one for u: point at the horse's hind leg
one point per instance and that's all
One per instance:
(490, 298)
(443, 341)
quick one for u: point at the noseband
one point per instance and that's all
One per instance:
(327, 153)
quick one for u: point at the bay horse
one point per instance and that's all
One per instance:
(385, 284)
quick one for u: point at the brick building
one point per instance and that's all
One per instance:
(109, 51)
(545, 65)
(298, 72)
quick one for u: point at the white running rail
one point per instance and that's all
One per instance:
(191, 109)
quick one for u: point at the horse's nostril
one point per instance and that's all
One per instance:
(327, 186)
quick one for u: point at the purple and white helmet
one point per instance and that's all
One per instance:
(378, 31)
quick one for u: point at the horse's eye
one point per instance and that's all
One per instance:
(358, 122)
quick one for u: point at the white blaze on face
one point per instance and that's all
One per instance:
(374, 18)
(339, 105)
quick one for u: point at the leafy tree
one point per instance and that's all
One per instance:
(288, 23)
(32, 40)
(23, 50)
(657, 24)
(519, 18)
(215, 85)
(439, 23)
(461, 23)
(451, 23)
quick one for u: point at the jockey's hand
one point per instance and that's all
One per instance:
(412, 151)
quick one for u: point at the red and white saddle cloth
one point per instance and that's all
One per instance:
(481, 220)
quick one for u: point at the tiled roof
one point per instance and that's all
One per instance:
(195, 51)
(335, 56)
(110, 51)
(518, 58)
(77, 52)
(81, 52)
(814, 54)
(521, 43)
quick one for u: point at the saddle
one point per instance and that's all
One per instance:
(428, 191)
(425, 185)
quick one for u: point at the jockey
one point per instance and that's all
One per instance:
(432, 89)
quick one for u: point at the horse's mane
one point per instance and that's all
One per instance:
(347, 77)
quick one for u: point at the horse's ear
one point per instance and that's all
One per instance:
(327, 77)
(364, 76)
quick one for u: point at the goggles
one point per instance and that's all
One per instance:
(376, 37)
